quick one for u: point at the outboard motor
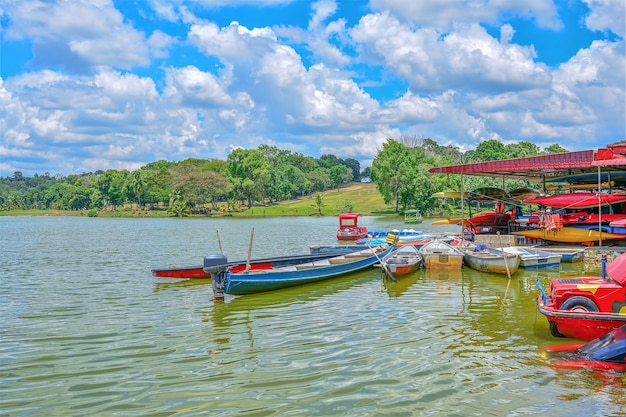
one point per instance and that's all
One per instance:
(217, 266)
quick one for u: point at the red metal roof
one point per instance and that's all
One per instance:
(542, 166)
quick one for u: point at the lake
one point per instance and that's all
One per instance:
(86, 330)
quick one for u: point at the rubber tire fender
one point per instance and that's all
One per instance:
(554, 331)
(579, 303)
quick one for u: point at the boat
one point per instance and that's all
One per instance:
(185, 272)
(524, 193)
(441, 255)
(568, 255)
(607, 352)
(586, 307)
(618, 226)
(349, 228)
(531, 258)
(487, 259)
(402, 261)
(286, 271)
(577, 200)
(317, 249)
(412, 216)
(569, 235)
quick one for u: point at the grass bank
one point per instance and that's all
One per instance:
(362, 198)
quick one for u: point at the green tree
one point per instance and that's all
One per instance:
(340, 174)
(395, 170)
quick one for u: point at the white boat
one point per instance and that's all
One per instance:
(534, 258)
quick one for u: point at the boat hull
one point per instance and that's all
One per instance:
(580, 325)
(182, 272)
(569, 235)
(251, 282)
(403, 261)
(534, 258)
(440, 255)
(577, 200)
(492, 263)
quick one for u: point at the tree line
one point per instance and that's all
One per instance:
(250, 177)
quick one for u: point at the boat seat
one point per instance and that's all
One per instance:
(311, 265)
(342, 260)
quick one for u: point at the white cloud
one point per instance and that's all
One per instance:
(607, 15)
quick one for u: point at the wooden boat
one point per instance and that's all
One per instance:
(349, 228)
(569, 235)
(586, 307)
(185, 272)
(568, 255)
(486, 259)
(531, 258)
(402, 261)
(287, 271)
(412, 216)
(441, 255)
(198, 272)
(607, 352)
(577, 200)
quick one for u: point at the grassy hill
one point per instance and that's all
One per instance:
(362, 198)
(357, 197)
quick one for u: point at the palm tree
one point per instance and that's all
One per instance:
(137, 185)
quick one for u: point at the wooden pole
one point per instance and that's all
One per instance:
(219, 241)
(250, 249)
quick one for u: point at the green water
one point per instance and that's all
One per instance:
(86, 330)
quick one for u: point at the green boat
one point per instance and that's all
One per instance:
(412, 216)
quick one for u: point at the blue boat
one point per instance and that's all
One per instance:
(240, 278)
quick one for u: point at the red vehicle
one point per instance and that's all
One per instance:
(586, 307)
(349, 228)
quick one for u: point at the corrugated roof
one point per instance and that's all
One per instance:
(538, 167)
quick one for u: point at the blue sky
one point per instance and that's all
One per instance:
(89, 85)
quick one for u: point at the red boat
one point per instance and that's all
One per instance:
(586, 307)
(184, 272)
(577, 200)
(607, 352)
(349, 228)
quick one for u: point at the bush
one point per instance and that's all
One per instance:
(92, 213)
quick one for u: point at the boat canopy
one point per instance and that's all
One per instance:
(545, 167)
(349, 220)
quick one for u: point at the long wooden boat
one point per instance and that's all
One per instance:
(569, 235)
(486, 259)
(198, 272)
(288, 271)
(531, 258)
(577, 200)
(402, 261)
(441, 255)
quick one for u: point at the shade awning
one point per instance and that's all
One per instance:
(537, 167)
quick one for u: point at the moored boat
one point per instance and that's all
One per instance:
(486, 259)
(349, 227)
(441, 255)
(606, 352)
(534, 258)
(286, 271)
(184, 272)
(568, 255)
(577, 200)
(402, 261)
(586, 307)
(412, 216)
(569, 235)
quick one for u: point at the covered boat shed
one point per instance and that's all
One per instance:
(574, 167)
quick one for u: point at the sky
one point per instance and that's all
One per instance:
(88, 85)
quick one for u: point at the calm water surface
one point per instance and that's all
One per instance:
(86, 330)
